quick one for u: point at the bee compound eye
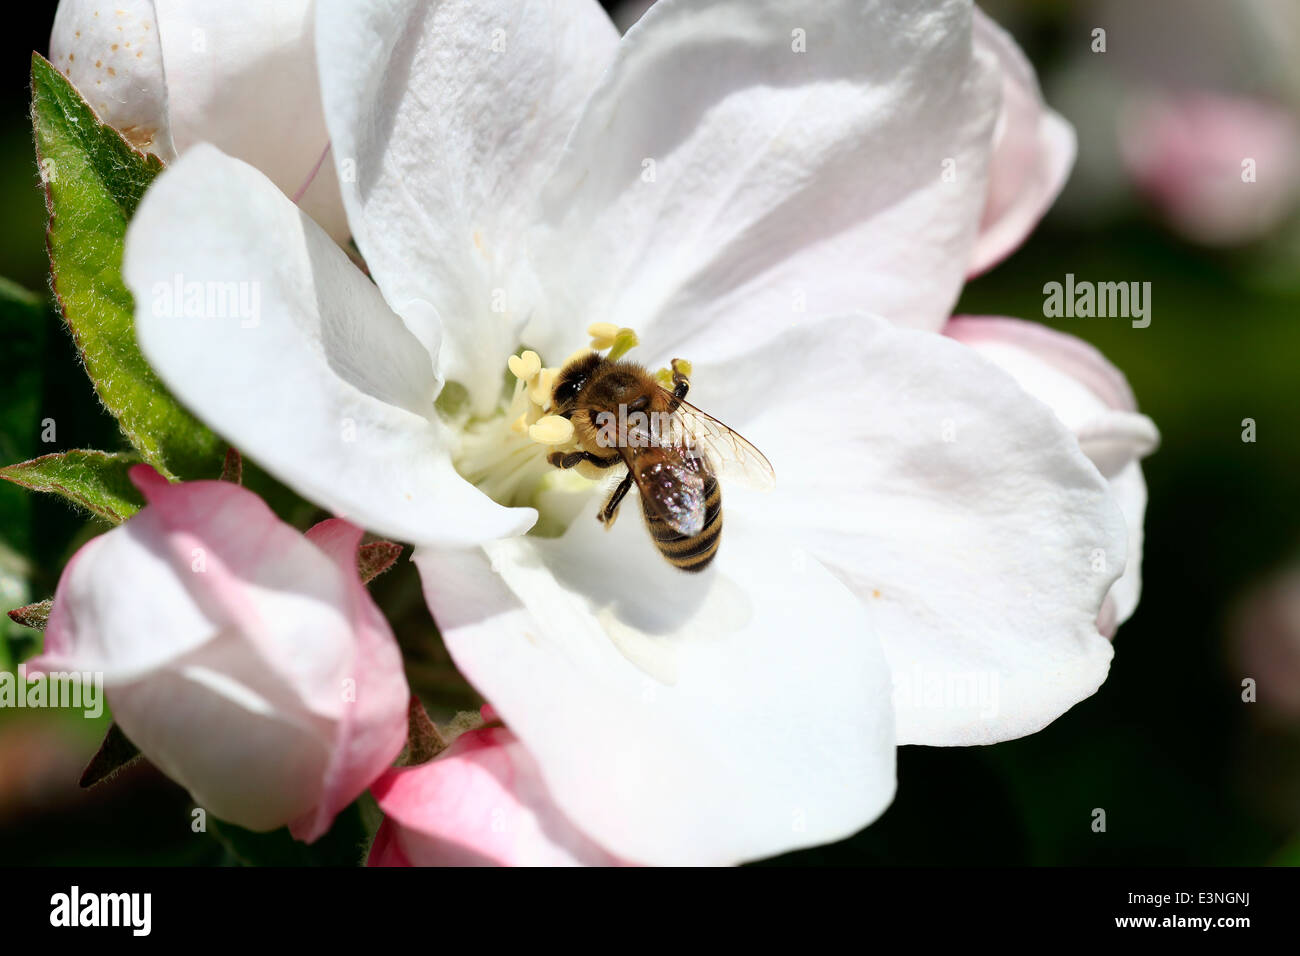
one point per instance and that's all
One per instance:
(566, 392)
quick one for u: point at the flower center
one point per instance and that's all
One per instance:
(505, 454)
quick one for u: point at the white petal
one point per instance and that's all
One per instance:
(677, 719)
(312, 375)
(958, 508)
(1130, 490)
(721, 180)
(1033, 151)
(241, 74)
(1094, 400)
(445, 119)
(116, 63)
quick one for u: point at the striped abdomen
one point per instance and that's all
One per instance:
(690, 552)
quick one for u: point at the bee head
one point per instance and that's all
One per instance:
(571, 381)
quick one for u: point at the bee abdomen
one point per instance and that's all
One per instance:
(690, 552)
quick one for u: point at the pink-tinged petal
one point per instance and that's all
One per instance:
(248, 570)
(236, 654)
(446, 119)
(1033, 150)
(372, 727)
(1093, 399)
(1224, 170)
(385, 850)
(482, 802)
(1072, 357)
(722, 183)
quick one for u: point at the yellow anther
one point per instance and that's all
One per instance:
(624, 342)
(540, 388)
(525, 366)
(602, 335)
(551, 430)
(520, 425)
(665, 375)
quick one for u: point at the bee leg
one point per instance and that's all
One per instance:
(681, 384)
(574, 458)
(610, 511)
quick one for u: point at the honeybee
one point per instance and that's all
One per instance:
(674, 452)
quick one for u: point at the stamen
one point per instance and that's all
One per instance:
(551, 430)
(506, 454)
(602, 335)
(541, 386)
(665, 375)
(525, 366)
(624, 342)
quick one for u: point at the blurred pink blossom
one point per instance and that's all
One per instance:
(1222, 169)
(1265, 639)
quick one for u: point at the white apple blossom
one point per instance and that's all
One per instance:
(237, 73)
(741, 182)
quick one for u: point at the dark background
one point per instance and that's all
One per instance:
(1186, 772)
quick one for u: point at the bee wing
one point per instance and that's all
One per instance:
(672, 487)
(729, 455)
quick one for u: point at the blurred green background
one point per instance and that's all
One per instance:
(1187, 772)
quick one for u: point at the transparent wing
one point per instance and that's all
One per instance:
(673, 488)
(731, 457)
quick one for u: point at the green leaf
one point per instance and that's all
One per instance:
(94, 480)
(94, 181)
(344, 845)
